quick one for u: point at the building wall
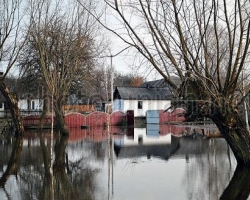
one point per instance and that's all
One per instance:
(35, 104)
(125, 105)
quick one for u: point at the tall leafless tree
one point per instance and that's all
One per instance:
(12, 39)
(204, 43)
(63, 36)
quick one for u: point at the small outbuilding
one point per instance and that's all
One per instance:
(141, 99)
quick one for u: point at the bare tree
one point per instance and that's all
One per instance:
(12, 39)
(63, 36)
(205, 44)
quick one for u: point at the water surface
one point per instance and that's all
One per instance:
(129, 165)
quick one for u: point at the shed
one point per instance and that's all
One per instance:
(141, 99)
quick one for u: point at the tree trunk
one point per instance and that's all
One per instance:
(46, 108)
(12, 103)
(239, 186)
(224, 114)
(60, 122)
(234, 130)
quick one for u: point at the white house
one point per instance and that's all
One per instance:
(141, 99)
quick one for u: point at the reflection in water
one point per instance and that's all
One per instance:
(12, 165)
(69, 180)
(209, 167)
(141, 143)
(139, 163)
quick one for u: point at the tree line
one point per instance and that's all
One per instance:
(56, 47)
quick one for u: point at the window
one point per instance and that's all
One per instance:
(139, 105)
(33, 105)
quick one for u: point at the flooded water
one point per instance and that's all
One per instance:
(131, 164)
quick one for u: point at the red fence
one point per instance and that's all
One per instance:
(34, 120)
(95, 119)
(116, 118)
(76, 120)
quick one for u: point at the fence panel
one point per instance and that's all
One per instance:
(117, 118)
(97, 119)
(75, 120)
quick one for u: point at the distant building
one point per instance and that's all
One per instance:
(29, 106)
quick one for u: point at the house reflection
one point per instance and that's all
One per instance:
(147, 141)
(153, 140)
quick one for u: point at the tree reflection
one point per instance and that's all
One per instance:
(68, 174)
(13, 162)
(207, 176)
(208, 170)
(239, 186)
(65, 182)
(57, 184)
(47, 187)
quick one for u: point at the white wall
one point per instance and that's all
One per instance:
(147, 105)
(36, 104)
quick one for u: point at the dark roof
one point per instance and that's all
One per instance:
(161, 83)
(142, 93)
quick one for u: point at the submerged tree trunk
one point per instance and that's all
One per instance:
(238, 139)
(46, 107)
(239, 186)
(12, 103)
(226, 115)
(60, 122)
(233, 128)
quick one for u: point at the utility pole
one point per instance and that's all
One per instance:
(112, 82)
